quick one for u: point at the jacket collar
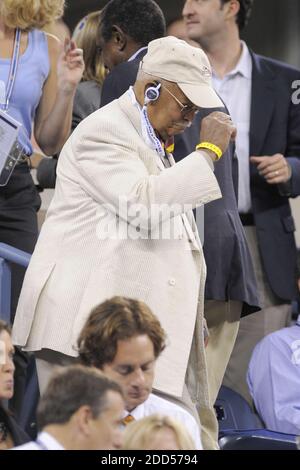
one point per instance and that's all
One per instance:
(149, 157)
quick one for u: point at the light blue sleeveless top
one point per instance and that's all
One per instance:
(33, 70)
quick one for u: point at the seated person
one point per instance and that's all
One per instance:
(80, 410)
(274, 379)
(123, 338)
(10, 432)
(157, 432)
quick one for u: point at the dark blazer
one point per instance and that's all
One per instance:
(120, 79)
(230, 273)
(275, 128)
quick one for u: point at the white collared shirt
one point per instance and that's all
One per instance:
(235, 90)
(155, 404)
(137, 53)
(44, 441)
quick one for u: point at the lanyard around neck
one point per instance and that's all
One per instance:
(13, 68)
(148, 132)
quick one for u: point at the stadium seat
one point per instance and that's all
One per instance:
(259, 439)
(234, 412)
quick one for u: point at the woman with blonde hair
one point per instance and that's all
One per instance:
(157, 432)
(37, 86)
(88, 94)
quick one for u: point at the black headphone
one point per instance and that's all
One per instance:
(152, 93)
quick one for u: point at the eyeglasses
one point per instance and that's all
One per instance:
(186, 109)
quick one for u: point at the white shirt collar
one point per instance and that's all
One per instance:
(136, 53)
(137, 413)
(244, 65)
(45, 439)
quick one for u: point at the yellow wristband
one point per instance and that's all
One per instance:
(214, 148)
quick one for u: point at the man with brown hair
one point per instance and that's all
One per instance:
(80, 410)
(123, 338)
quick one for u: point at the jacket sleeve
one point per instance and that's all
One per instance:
(110, 170)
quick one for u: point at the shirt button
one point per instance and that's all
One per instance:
(172, 282)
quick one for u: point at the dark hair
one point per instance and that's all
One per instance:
(69, 389)
(117, 319)
(244, 12)
(142, 20)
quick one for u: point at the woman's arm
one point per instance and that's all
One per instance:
(54, 113)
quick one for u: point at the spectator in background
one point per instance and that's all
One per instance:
(124, 339)
(10, 432)
(88, 92)
(43, 90)
(157, 432)
(127, 26)
(274, 379)
(177, 28)
(80, 410)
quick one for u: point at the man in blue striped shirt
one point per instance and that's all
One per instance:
(274, 379)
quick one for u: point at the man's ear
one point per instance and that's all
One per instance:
(119, 38)
(233, 7)
(83, 417)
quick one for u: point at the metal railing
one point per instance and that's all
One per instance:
(8, 255)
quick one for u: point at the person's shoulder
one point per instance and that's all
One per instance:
(89, 85)
(128, 68)
(90, 92)
(101, 125)
(274, 343)
(163, 405)
(276, 66)
(54, 44)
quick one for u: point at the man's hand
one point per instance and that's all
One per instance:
(275, 169)
(218, 129)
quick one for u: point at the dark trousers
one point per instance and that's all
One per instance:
(19, 203)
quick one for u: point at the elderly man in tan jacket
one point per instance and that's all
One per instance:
(121, 220)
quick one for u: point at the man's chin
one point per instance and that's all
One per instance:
(132, 403)
(175, 131)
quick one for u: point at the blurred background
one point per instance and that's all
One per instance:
(274, 28)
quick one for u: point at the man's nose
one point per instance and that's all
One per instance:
(9, 365)
(189, 117)
(187, 10)
(139, 377)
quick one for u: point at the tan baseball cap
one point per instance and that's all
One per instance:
(175, 60)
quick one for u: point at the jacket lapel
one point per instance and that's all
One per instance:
(262, 104)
